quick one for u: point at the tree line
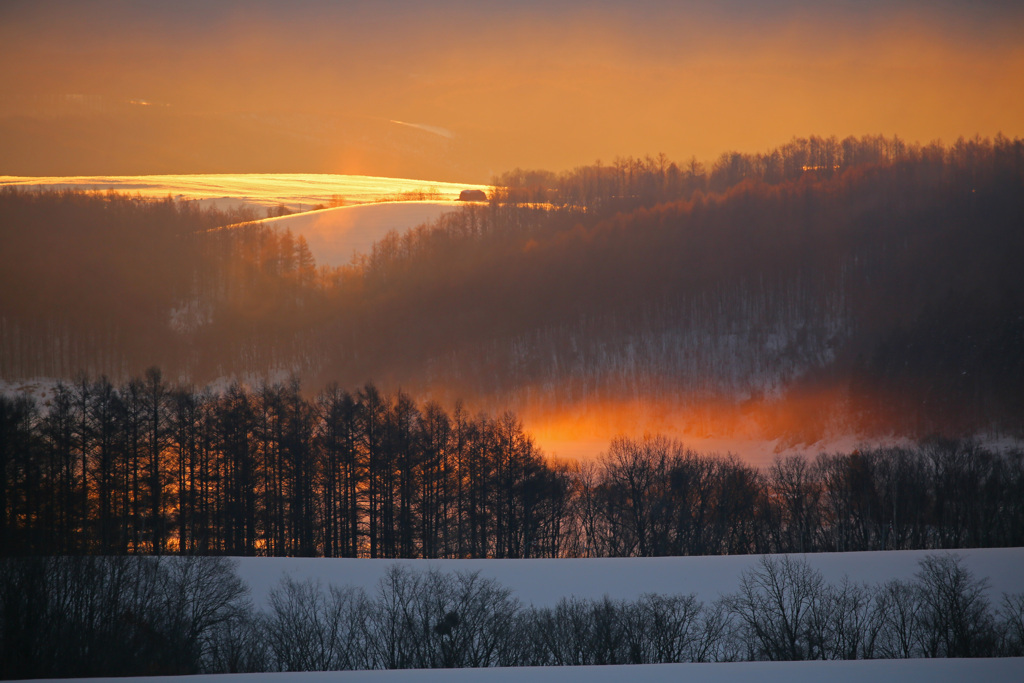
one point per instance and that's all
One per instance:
(153, 468)
(73, 616)
(653, 496)
(628, 183)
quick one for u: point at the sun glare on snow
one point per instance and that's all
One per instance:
(295, 190)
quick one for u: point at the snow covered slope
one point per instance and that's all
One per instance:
(336, 235)
(296, 191)
(877, 671)
(544, 582)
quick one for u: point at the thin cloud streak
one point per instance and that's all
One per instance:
(443, 132)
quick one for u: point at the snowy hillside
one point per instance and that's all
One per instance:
(335, 235)
(877, 671)
(295, 191)
(544, 582)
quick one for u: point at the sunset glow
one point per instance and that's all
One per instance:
(444, 295)
(756, 431)
(461, 91)
(297, 191)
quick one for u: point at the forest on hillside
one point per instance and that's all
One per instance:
(880, 271)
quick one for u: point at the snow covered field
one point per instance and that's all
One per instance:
(877, 671)
(335, 235)
(544, 582)
(296, 191)
(371, 206)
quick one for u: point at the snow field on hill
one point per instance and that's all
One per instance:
(544, 582)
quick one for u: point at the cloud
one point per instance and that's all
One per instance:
(443, 132)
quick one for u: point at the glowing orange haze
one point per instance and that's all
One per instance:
(805, 422)
(460, 93)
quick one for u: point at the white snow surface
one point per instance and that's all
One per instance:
(373, 205)
(335, 236)
(296, 191)
(544, 582)
(876, 671)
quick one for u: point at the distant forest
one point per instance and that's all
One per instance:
(151, 468)
(884, 272)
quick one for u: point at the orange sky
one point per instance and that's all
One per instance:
(463, 90)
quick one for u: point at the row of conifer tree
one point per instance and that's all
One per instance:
(148, 467)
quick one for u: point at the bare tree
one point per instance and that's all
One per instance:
(201, 594)
(310, 629)
(955, 609)
(1011, 615)
(898, 611)
(779, 607)
(664, 629)
(851, 623)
